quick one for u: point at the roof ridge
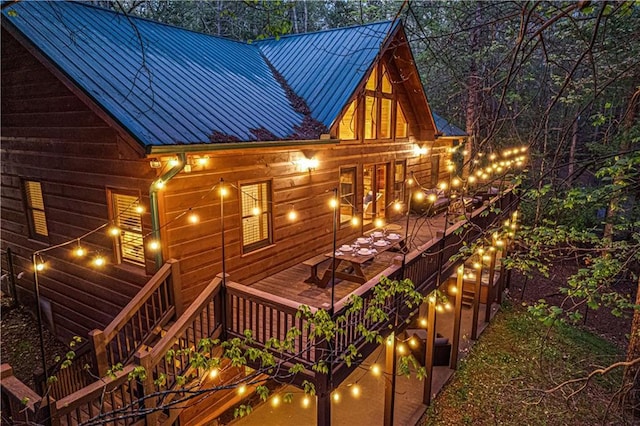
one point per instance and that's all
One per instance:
(386, 21)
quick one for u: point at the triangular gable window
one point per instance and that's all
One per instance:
(372, 82)
(347, 128)
(386, 83)
(401, 122)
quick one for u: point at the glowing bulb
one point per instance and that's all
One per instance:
(442, 185)
(499, 243)
(413, 342)
(139, 209)
(159, 184)
(213, 373)
(451, 167)
(455, 182)
(99, 261)
(439, 308)
(479, 173)
(379, 223)
(390, 340)
(335, 396)
(355, 390)
(202, 161)
(79, 251)
(432, 299)
(223, 191)
(292, 215)
(114, 231)
(465, 152)
(471, 179)
(255, 211)
(306, 401)
(409, 181)
(453, 289)
(174, 162)
(39, 266)
(193, 218)
(486, 258)
(515, 215)
(397, 206)
(492, 157)
(376, 370)
(477, 265)
(402, 349)
(333, 203)
(448, 306)
(153, 245)
(275, 401)
(432, 198)
(242, 389)
(419, 195)
(423, 322)
(480, 251)
(355, 221)
(485, 176)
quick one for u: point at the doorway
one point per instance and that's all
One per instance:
(374, 183)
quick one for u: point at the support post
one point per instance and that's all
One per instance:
(476, 303)
(176, 287)
(99, 352)
(457, 319)
(429, 352)
(390, 385)
(491, 286)
(12, 278)
(143, 358)
(323, 389)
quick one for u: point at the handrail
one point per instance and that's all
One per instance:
(22, 402)
(153, 306)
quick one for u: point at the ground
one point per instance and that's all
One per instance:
(20, 342)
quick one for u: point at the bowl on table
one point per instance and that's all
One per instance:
(393, 236)
(364, 252)
(377, 234)
(362, 240)
(345, 248)
(380, 243)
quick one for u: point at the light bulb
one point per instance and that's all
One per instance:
(455, 182)
(423, 322)
(292, 215)
(202, 161)
(413, 342)
(402, 349)
(448, 306)
(397, 206)
(439, 308)
(213, 373)
(335, 396)
(419, 195)
(355, 221)
(442, 185)
(159, 184)
(114, 231)
(333, 203)
(255, 211)
(472, 179)
(139, 209)
(40, 266)
(193, 218)
(355, 390)
(99, 261)
(432, 198)
(306, 401)
(223, 191)
(174, 162)
(453, 289)
(241, 389)
(379, 223)
(275, 401)
(153, 245)
(375, 370)
(79, 251)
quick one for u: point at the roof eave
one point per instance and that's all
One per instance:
(206, 147)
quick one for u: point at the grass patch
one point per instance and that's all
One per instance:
(504, 378)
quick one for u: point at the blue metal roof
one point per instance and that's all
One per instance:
(446, 128)
(325, 67)
(167, 85)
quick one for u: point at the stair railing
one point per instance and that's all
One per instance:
(155, 305)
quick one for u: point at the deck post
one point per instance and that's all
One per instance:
(143, 359)
(390, 385)
(430, 347)
(491, 287)
(457, 318)
(476, 302)
(176, 287)
(323, 388)
(99, 352)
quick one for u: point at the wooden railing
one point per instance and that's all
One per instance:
(155, 304)
(266, 316)
(20, 404)
(70, 378)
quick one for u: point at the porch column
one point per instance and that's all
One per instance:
(457, 318)
(476, 300)
(490, 288)
(390, 385)
(323, 389)
(430, 344)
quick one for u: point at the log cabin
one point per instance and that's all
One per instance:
(167, 157)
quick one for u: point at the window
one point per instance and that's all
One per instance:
(398, 179)
(347, 194)
(385, 119)
(35, 209)
(348, 123)
(435, 170)
(372, 83)
(370, 114)
(129, 244)
(374, 185)
(386, 83)
(255, 206)
(401, 122)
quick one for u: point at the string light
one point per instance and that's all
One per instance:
(397, 206)
(355, 390)
(174, 162)
(202, 161)
(292, 215)
(379, 223)
(333, 203)
(159, 184)
(402, 349)
(413, 342)
(432, 198)
(114, 231)
(139, 209)
(213, 373)
(241, 390)
(335, 396)
(40, 265)
(442, 185)
(153, 245)
(255, 211)
(355, 221)
(275, 401)
(79, 251)
(419, 195)
(193, 218)
(223, 191)
(306, 401)
(455, 182)
(99, 261)
(376, 370)
(423, 322)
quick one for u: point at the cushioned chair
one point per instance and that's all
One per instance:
(426, 206)
(441, 352)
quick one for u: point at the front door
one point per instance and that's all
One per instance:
(374, 183)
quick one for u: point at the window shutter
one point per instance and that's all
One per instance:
(130, 224)
(35, 204)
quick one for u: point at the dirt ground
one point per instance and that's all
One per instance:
(601, 321)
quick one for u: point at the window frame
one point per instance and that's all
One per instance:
(379, 97)
(30, 209)
(355, 119)
(268, 211)
(353, 194)
(118, 244)
(399, 185)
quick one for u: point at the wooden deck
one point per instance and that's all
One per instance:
(290, 284)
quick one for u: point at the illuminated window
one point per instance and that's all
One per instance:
(386, 83)
(401, 122)
(370, 117)
(385, 118)
(435, 170)
(348, 123)
(372, 82)
(129, 244)
(255, 207)
(347, 194)
(35, 209)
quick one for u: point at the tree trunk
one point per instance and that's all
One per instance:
(631, 374)
(294, 18)
(306, 16)
(473, 102)
(572, 153)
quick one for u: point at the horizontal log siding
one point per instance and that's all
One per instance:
(50, 135)
(198, 246)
